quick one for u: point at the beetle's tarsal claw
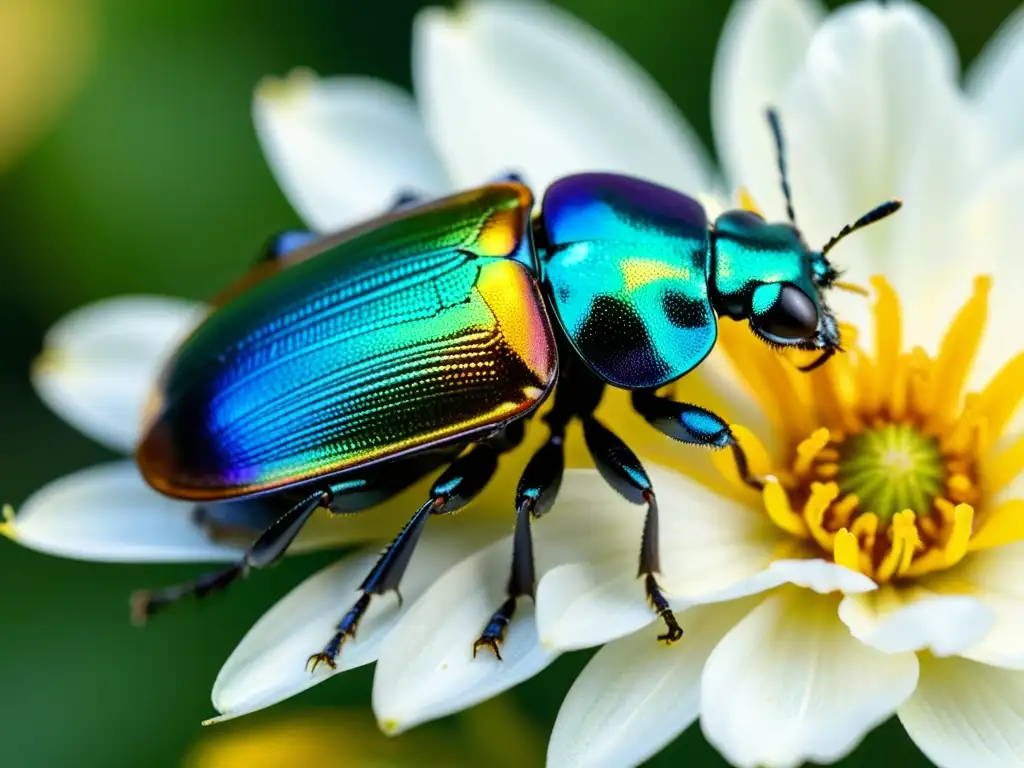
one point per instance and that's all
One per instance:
(673, 632)
(494, 633)
(346, 631)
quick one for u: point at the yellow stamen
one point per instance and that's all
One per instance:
(957, 352)
(822, 496)
(888, 325)
(1003, 525)
(810, 449)
(844, 509)
(1005, 466)
(846, 551)
(776, 502)
(905, 541)
(998, 401)
(746, 202)
(955, 548)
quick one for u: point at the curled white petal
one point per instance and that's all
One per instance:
(107, 513)
(524, 87)
(913, 619)
(269, 665)
(100, 362)
(636, 694)
(344, 149)
(788, 685)
(967, 714)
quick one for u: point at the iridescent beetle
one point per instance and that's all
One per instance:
(345, 368)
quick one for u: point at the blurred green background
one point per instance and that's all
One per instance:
(128, 164)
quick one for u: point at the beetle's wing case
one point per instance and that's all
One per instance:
(625, 264)
(421, 327)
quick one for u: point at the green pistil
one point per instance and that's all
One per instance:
(891, 469)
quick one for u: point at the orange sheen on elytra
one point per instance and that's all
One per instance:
(885, 465)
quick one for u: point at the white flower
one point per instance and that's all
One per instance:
(820, 614)
(799, 636)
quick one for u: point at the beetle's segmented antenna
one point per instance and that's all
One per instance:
(875, 214)
(780, 153)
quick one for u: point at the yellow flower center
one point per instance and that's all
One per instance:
(883, 464)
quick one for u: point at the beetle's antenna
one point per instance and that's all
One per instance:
(875, 214)
(780, 153)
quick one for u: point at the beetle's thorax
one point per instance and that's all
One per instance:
(745, 251)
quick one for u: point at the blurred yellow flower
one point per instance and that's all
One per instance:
(46, 50)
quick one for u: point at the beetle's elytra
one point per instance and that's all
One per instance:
(344, 368)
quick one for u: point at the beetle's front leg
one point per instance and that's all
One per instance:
(693, 425)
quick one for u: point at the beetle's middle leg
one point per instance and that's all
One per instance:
(465, 477)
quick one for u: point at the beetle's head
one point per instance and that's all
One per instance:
(764, 272)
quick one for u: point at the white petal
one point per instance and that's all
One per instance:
(343, 149)
(269, 665)
(967, 715)
(426, 668)
(875, 113)
(996, 81)
(761, 48)
(527, 88)
(991, 224)
(818, 575)
(636, 695)
(107, 513)
(915, 619)
(788, 684)
(581, 605)
(996, 577)
(99, 363)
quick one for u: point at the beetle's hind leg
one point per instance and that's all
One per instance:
(693, 425)
(457, 486)
(266, 550)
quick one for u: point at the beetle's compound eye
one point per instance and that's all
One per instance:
(784, 312)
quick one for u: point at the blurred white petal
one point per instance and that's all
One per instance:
(996, 82)
(762, 46)
(100, 362)
(637, 694)
(269, 665)
(343, 149)
(967, 714)
(915, 619)
(524, 87)
(107, 513)
(788, 684)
